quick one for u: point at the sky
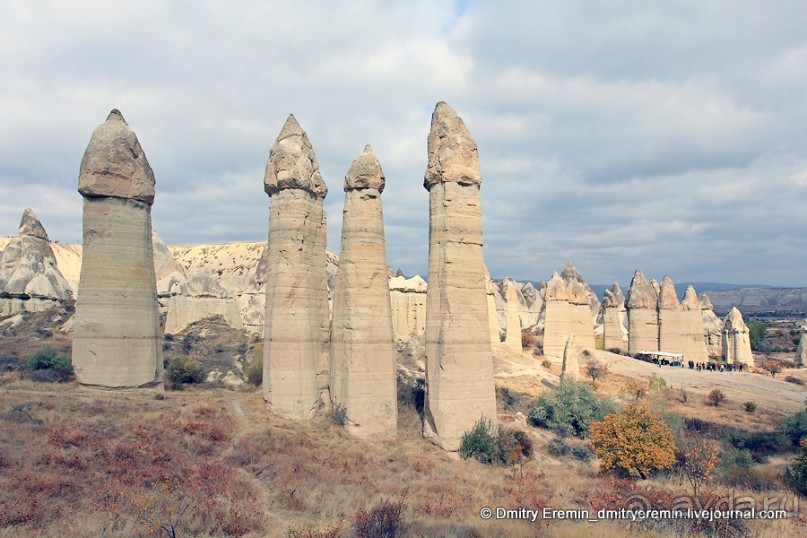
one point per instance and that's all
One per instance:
(665, 136)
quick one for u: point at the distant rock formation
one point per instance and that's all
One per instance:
(512, 338)
(801, 353)
(642, 308)
(681, 325)
(571, 364)
(408, 300)
(363, 363)
(736, 339)
(295, 351)
(712, 325)
(30, 280)
(183, 299)
(614, 317)
(117, 342)
(568, 310)
(459, 361)
(493, 317)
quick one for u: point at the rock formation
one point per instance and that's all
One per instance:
(736, 339)
(681, 324)
(295, 352)
(615, 333)
(117, 342)
(362, 354)
(801, 353)
(408, 300)
(642, 308)
(493, 317)
(513, 332)
(712, 325)
(30, 280)
(568, 310)
(571, 364)
(459, 362)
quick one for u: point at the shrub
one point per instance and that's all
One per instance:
(384, 520)
(559, 447)
(796, 476)
(527, 338)
(546, 363)
(700, 459)
(338, 414)
(633, 388)
(595, 369)
(756, 333)
(716, 397)
(793, 428)
(514, 446)
(47, 365)
(750, 407)
(184, 369)
(253, 372)
(582, 453)
(773, 367)
(574, 404)
(633, 442)
(480, 442)
(794, 380)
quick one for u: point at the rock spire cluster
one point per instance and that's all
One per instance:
(614, 318)
(681, 324)
(117, 341)
(642, 308)
(567, 310)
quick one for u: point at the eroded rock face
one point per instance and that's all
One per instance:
(513, 332)
(459, 361)
(571, 363)
(362, 354)
(736, 339)
(117, 342)
(801, 353)
(30, 280)
(712, 325)
(493, 317)
(643, 327)
(614, 317)
(408, 300)
(295, 351)
(568, 310)
(681, 325)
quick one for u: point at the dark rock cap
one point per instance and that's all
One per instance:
(292, 163)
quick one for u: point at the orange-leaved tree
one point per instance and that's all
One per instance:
(633, 441)
(700, 459)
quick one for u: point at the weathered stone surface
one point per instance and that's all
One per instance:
(293, 164)
(681, 325)
(567, 310)
(117, 342)
(736, 339)
(408, 300)
(801, 353)
(513, 332)
(362, 353)
(30, 280)
(615, 333)
(295, 351)
(571, 363)
(493, 317)
(459, 361)
(643, 326)
(114, 164)
(712, 325)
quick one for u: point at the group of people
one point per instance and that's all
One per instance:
(716, 366)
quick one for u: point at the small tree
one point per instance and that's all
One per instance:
(595, 369)
(634, 389)
(772, 366)
(716, 397)
(699, 461)
(756, 333)
(480, 442)
(633, 442)
(796, 476)
(573, 404)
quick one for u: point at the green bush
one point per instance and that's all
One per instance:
(573, 404)
(184, 369)
(756, 334)
(481, 442)
(253, 370)
(46, 364)
(793, 428)
(750, 407)
(796, 476)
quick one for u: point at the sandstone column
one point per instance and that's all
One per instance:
(670, 325)
(571, 363)
(613, 308)
(117, 342)
(459, 361)
(736, 339)
(692, 335)
(296, 326)
(557, 319)
(642, 315)
(513, 337)
(712, 325)
(493, 316)
(801, 353)
(362, 354)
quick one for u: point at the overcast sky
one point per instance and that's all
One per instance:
(666, 136)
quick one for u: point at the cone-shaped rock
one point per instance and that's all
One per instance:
(295, 351)
(736, 339)
(459, 361)
(513, 336)
(801, 353)
(362, 354)
(712, 325)
(642, 315)
(117, 342)
(614, 333)
(30, 280)
(567, 311)
(681, 325)
(571, 362)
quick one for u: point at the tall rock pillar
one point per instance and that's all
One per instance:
(117, 341)
(613, 319)
(643, 330)
(736, 339)
(362, 353)
(513, 336)
(296, 326)
(459, 361)
(801, 352)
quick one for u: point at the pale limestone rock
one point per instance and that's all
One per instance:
(736, 339)
(295, 351)
(459, 361)
(568, 310)
(408, 302)
(362, 354)
(801, 353)
(117, 342)
(493, 318)
(30, 280)
(681, 325)
(615, 333)
(571, 363)
(513, 332)
(643, 326)
(712, 325)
